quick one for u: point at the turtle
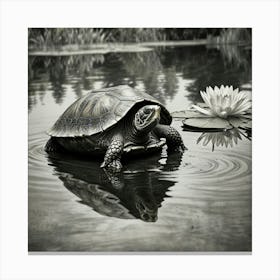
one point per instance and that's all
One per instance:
(113, 122)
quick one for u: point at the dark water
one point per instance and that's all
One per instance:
(196, 201)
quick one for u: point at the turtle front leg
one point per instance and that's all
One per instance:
(112, 158)
(173, 138)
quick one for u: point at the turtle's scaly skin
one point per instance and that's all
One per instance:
(103, 122)
(173, 138)
(113, 154)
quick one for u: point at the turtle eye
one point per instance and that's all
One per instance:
(146, 110)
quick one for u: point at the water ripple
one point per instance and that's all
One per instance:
(216, 176)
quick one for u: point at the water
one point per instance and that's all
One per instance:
(196, 201)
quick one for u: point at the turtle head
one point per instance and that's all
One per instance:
(147, 117)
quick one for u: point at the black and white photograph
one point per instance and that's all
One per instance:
(140, 140)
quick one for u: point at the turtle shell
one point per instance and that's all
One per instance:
(100, 110)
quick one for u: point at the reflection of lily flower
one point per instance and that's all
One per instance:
(224, 138)
(224, 102)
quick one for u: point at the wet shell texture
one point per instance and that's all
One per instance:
(100, 110)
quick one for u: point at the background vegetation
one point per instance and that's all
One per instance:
(225, 59)
(46, 38)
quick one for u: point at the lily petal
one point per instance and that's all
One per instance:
(203, 111)
(224, 101)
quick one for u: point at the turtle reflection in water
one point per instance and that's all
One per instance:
(126, 195)
(113, 121)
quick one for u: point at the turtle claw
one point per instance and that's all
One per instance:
(131, 149)
(154, 146)
(180, 149)
(183, 148)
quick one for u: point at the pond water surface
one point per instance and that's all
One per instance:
(196, 201)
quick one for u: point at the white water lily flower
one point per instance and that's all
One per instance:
(224, 102)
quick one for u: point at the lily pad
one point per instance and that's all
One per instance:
(201, 104)
(240, 122)
(207, 123)
(197, 129)
(198, 121)
(187, 114)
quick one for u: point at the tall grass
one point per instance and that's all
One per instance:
(137, 35)
(232, 36)
(55, 38)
